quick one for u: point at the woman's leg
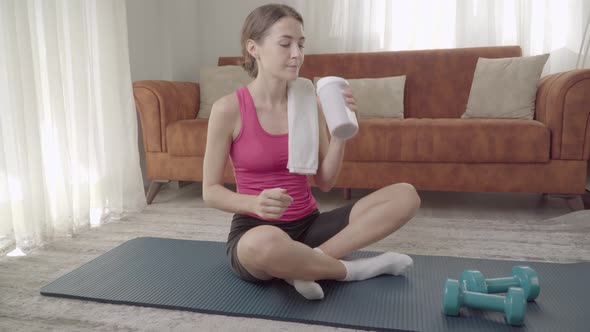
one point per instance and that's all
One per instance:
(267, 252)
(374, 217)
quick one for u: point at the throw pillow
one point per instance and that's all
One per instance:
(216, 82)
(505, 88)
(378, 97)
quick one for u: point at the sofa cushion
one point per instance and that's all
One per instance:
(413, 140)
(450, 140)
(378, 97)
(187, 137)
(476, 140)
(217, 82)
(505, 88)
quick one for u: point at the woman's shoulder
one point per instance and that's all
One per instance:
(227, 106)
(225, 114)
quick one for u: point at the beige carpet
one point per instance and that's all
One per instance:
(498, 226)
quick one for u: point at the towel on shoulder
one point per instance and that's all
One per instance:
(302, 114)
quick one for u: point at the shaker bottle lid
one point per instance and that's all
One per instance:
(329, 80)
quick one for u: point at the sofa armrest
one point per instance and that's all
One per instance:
(563, 104)
(160, 103)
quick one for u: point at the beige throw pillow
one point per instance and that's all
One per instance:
(216, 82)
(505, 88)
(378, 97)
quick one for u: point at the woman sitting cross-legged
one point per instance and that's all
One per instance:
(277, 230)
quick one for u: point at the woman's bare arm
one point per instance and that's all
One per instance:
(222, 122)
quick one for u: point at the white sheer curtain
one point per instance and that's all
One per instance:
(378, 25)
(68, 132)
(538, 26)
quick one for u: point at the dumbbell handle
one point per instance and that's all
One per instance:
(501, 285)
(484, 301)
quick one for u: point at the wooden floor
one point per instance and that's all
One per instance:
(499, 226)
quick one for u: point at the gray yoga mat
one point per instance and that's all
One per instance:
(195, 276)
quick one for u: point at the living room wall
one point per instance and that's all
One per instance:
(171, 40)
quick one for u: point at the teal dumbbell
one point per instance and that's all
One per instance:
(513, 304)
(522, 276)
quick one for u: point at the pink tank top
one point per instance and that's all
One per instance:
(260, 162)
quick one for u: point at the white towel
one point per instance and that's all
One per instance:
(302, 110)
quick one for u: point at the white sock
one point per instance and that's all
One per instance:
(311, 290)
(386, 263)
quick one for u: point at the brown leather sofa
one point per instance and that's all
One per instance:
(432, 148)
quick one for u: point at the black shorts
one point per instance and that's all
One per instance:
(313, 230)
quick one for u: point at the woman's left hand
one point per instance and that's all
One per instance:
(350, 100)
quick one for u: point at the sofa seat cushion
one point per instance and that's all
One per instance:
(477, 140)
(187, 137)
(413, 140)
(450, 140)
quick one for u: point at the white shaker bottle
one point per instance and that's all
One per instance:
(340, 119)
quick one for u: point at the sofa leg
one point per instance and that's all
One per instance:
(586, 199)
(178, 184)
(154, 188)
(347, 193)
(575, 202)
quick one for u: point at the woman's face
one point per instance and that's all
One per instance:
(281, 51)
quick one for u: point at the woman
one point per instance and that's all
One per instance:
(277, 230)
